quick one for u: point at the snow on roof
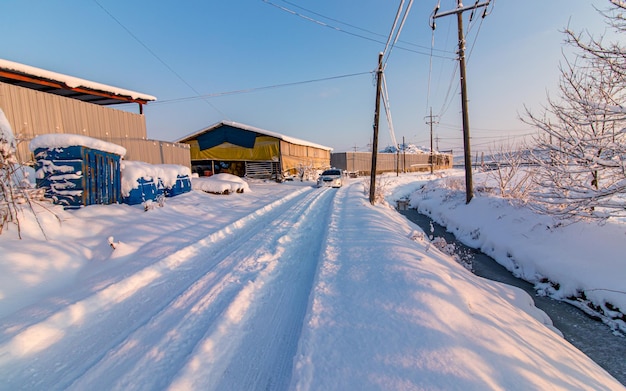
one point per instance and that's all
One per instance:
(279, 136)
(57, 140)
(70, 81)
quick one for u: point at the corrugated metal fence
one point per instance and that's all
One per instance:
(361, 162)
(32, 113)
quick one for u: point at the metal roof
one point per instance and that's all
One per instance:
(264, 132)
(68, 86)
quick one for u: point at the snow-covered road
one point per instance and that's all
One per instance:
(222, 313)
(287, 287)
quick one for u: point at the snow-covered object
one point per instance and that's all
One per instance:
(220, 184)
(7, 140)
(58, 140)
(169, 173)
(71, 81)
(132, 171)
(61, 171)
(407, 148)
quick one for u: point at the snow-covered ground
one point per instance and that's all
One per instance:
(287, 286)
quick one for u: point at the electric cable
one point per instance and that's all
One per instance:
(353, 26)
(157, 57)
(320, 23)
(249, 90)
(397, 35)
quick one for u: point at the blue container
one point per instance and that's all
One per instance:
(78, 176)
(182, 185)
(148, 190)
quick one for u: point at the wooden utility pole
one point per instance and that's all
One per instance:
(431, 122)
(469, 190)
(379, 76)
(403, 155)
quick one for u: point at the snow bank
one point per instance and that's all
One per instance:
(59, 140)
(220, 184)
(582, 261)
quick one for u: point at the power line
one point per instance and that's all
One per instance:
(249, 90)
(356, 27)
(396, 35)
(320, 23)
(156, 56)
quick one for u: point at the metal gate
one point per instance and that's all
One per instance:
(263, 170)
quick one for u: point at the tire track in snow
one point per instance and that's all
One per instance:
(323, 289)
(253, 346)
(219, 294)
(78, 335)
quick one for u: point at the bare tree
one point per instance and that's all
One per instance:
(581, 144)
(14, 192)
(510, 173)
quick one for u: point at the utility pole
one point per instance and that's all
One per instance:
(379, 76)
(469, 191)
(431, 122)
(403, 155)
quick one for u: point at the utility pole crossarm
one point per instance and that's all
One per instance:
(461, 9)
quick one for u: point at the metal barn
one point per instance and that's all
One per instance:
(252, 152)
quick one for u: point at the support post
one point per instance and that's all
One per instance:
(431, 122)
(379, 74)
(469, 191)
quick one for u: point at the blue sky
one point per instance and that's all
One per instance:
(176, 50)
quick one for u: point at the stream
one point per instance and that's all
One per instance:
(589, 335)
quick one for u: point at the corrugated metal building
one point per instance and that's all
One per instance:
(37, 101)
(361, 162)
(248, 151)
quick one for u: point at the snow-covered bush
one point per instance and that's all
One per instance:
(382, 188)
(508, 172)
(15, 186)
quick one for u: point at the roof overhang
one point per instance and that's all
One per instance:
(67, 86)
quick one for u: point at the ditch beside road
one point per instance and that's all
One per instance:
(591, 336)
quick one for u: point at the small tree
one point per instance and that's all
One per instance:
(13, 193)
(512, 179)
(8, 208)
(581, 145)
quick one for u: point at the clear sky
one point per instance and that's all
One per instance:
(185, 49)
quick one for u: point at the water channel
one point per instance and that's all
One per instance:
(589, 335)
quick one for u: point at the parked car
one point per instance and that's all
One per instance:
(330, 177)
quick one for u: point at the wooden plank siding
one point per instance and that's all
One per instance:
(32, 113)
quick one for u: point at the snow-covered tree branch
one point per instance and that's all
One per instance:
(581, 144)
